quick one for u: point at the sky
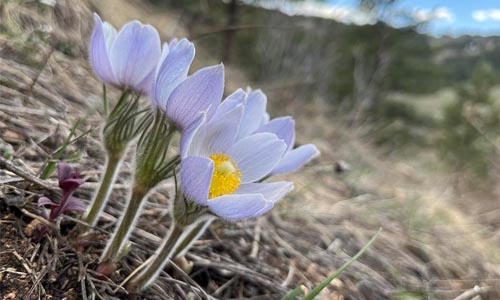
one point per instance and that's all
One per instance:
(455, 17)
(443, 17)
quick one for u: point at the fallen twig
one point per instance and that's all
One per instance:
(475, 291)
(8, 165)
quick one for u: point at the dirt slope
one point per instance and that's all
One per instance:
(428, 249)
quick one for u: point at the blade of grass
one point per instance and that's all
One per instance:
(294, 293)
(50, 166)
(335, 274)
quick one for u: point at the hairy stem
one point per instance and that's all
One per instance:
(101, 197)
(126, 223)
(143, 279)
(192, 236)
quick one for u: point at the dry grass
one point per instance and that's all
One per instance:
(429, 249)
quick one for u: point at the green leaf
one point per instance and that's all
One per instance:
(51, 164)
(334, 275)
(294, 293)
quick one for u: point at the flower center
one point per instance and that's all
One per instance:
(226, 177)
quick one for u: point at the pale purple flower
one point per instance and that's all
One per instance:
(176, 57)
(126, 59)
(199, 93)
(222, 171)
(293, 158)
(254, 114)
(256, 120)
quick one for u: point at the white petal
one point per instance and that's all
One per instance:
(218, 135)
(196, 176)
(231, 101)
(283, 127)
(238, 207)
(189, 133)
(255, 110)
(173, 69)
(99, 52)
(272, 192)
(135, 53)
(256, 155)
(200, 92)
(296, 158)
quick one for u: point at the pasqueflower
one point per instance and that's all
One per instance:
(256, 120)
(176, 57)
(222, 171)
(126, 59)
(200, 92)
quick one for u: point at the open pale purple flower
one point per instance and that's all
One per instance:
(256, 120)
(198, 93)
(220, 171)
(126, 59)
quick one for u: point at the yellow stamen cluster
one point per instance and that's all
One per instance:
(226, 177)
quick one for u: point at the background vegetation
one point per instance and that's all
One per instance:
(360, 72)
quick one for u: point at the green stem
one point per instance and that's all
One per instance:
(192, 236)
(105, 101)
(126, 223)
(143, 279)
(101, 197)
(189, 222)
(152, 147)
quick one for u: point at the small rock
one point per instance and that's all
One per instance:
(341, 166)
(11, 136)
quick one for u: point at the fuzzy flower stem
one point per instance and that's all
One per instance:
(189, 222)
(120, 128)
(192, 236)
(113, 162)
(143, 279)
(125, 225)
(152, 167)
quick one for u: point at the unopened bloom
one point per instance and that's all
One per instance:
(200, 92)
(256, 120)
(126, 59)
(69, 181)
(176, 57)
(222, 172)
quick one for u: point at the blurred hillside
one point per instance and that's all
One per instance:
(346, 66)
(397, 82)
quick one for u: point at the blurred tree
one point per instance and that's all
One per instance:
(232, 21)
(470, 135)
(376, 4)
